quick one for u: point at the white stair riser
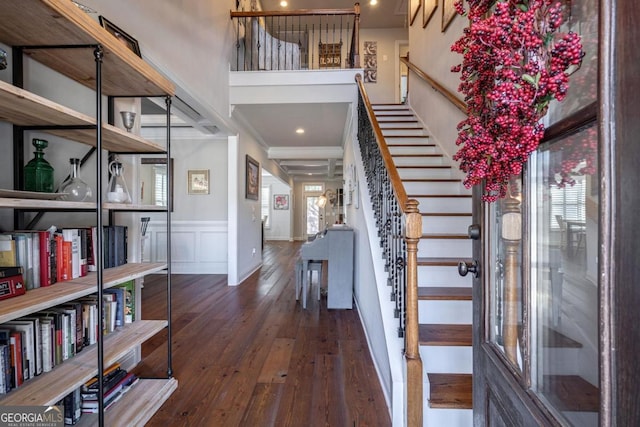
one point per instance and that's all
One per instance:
(423, 173)
(447, 312)
(443, 204)
(438, 417)
(418, 161)
(378, 107)
(394, 140)
(412, 149)
(449, 248)
(446, 360)
(445, 224)
(426, 187)
(442, 276)
(394, 120)
(400, 132)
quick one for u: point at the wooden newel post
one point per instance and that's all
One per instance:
(511, 236)
(356, 37)
(413, 232)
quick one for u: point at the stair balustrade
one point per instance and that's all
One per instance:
(303, 39)
(399, 225)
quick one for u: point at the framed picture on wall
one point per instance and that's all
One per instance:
(252, 181)
(281, 202)
(198, 181)
(123, 37)
(448, 13)
(414, 7)
(428, 9)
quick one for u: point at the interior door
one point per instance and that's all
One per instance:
(312, 215)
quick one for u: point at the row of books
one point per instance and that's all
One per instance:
(37, 343)
(53, 255)
(116, 382)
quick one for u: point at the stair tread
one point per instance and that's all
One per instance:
(417, 155)
(438, 195)
(423, 167)
(410, 145)
(445, 236)
(406, 136)
(437, 293)
(571, 393)
(454, 391)
(431, 180)
(443, 262)
(444, 334)
(445, 214)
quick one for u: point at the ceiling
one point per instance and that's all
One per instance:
(385, 14)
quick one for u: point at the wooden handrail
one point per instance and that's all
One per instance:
(396, 182)
(412, 235)
(459, 104)
(299, 12)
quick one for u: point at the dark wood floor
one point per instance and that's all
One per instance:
(250, 356)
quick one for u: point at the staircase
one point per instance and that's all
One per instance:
(445, 310)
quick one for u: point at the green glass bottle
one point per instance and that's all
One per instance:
(38, 173)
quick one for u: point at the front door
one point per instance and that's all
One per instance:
(537, 334)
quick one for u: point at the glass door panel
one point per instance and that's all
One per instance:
(312, 215)
(505, 274)
(564, 221)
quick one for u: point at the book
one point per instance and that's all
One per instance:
(24, 257)
(67, 266)
(72, 407)
(37, 341)
(71, 235)
(17, 377)
(15, 270)
(7, 251)
(109, 373)
(84, 251)
(59, 248)
(11, 287)
(5, 368)
(119, 293)
(44, 249)
(129, 300)
(48, 335)
(35, 255)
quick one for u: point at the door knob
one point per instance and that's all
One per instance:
(472, 267)
(474, 231)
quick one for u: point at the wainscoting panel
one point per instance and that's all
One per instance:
(197, 247)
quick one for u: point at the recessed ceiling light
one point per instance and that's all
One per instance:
(283, 3)
(373, 2)
(300, 130)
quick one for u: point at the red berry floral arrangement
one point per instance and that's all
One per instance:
(514, 63)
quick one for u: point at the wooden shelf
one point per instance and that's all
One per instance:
(59, 293)
(50, 387)
(6, 202)
(23, 108)
(134, 208)
(61, 23)
(137, 406)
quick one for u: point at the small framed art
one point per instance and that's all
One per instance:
(198, 181)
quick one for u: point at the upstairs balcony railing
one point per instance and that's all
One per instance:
(304, 39)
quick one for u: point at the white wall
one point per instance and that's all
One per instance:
(429, 49)
(280, 219)
(385, 90)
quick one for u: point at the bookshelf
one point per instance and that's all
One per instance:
(60, 36)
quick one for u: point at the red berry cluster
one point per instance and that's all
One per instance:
(513, 65)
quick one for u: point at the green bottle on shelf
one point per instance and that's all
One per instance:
(38, 173)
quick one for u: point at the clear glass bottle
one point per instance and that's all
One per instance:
(75, 189)
(38, 173)
(117, 191)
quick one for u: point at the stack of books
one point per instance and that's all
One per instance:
(116, 382)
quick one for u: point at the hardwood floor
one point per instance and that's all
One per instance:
(251, 356)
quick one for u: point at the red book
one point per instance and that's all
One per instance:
(59, 256)
(11, 287)
(16, 358)
(67, 266)
(45, 253)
